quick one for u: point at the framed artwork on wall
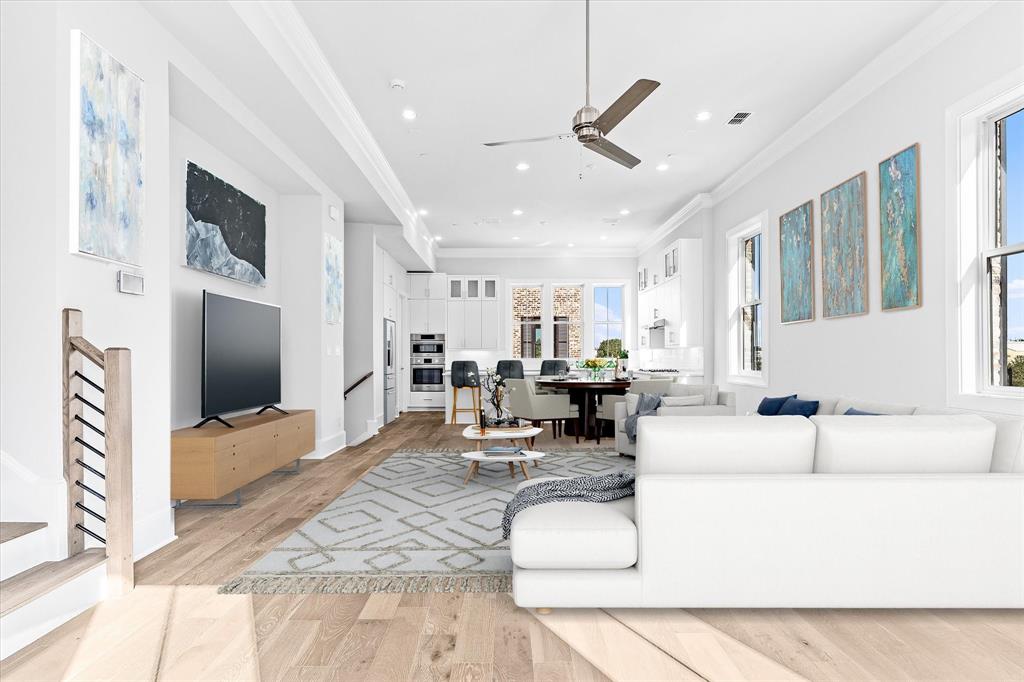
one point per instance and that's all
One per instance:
(899, 207)
(107, 167)
(334, 260)
(796, 262)
(844, 263)
(225, 229)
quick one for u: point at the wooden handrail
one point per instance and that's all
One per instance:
(87, 349)
(353, 386)
(116, 458)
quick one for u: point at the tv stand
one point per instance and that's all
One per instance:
(214, 419)
(272, 407)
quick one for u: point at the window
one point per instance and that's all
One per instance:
(608, 321)
(750, 329)
(748, 305)
(1003, 258)
(567, 310)
(527, 333)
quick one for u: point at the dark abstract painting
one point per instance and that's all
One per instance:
(226, 229)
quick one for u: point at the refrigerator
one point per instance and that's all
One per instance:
(390, 371)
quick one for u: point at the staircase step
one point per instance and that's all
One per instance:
(15, 529)
(21, 589)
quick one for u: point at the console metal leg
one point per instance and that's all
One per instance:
(290, 471)
(185, 504)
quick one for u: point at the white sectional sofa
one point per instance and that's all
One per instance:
(832, 511)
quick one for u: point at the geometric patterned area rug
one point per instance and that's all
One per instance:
(410, 525)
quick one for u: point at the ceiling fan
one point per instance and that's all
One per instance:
(589, 125)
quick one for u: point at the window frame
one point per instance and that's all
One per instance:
(736, 301)
(595, 323)
(568, 323)
(971, 211)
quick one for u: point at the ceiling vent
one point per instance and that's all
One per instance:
(738, 118)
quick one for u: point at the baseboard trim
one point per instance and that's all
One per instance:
(326, 447)
(157, 524)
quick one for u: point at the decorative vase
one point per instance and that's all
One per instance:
(596, 374)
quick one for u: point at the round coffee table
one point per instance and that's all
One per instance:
(522, 458)
(522, 436)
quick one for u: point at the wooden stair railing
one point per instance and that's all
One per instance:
(112, 464)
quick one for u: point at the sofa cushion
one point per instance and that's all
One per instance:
(1008, 453)
(696, 411)
(709, 391)
(724, 445)
(854, 412)
(801, 408)
(826, 404)
(868, 406)
(770, 407)
(903, 444)
(682, 400)
(575, 535)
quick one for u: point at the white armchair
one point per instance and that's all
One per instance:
(716, 404)
(526, 403)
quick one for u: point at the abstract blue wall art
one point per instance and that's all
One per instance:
(796, 255)
(899, 203)
(107, 176)
(844, 264)
(225, 229)
(334, 258)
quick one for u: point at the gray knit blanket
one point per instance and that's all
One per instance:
(606, 488)
(646, 406)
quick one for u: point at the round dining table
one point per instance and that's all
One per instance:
(586, 393)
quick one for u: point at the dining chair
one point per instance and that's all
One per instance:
(526, 403)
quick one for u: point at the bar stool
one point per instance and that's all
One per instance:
(510, 369)
(465, 375)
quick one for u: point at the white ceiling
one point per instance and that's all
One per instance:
(479, 71)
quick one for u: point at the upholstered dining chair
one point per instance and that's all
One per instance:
(526, 403)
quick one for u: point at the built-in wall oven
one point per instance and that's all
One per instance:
(427, 351)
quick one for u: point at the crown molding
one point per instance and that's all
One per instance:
(534, 252)
(283, 33)
(949, 18)
(690, 209)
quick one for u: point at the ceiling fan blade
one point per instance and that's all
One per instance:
(627, 102)
(609, 149)
(528, 139)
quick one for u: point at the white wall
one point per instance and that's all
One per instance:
(361, 291)
(890, 356)
(187, 284)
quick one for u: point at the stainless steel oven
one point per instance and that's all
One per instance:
(427, 374)
(427, 346)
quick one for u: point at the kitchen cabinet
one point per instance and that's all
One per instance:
(490, 324)
(670, 260)
(675, 296)
(428, 285)
(473, 288)
(389, 302)
(473, 313)
(427, 316)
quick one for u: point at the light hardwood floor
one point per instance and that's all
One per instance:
(175, 625)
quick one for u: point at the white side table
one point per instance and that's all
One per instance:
(522, 458)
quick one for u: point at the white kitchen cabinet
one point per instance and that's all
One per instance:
(417, 316)
(670, 260)
(437, 315)
(427, 316)
(490, 324)
(389, 302)
(489, 288)
(456, 288)
(474, 337)
(428, 285)
(455, 337)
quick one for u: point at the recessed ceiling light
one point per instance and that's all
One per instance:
(603, 237)
(522, 166)
(662, 166)
(703, 116)
(423, 211)
(438, 237)
(515, 239)
(570, 245)
(624, 211)
(408, 114)
(517, 212)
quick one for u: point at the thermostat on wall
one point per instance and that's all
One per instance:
(130, 283)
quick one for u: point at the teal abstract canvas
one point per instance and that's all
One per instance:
(899, 208)
(796, 255)
(107, 173)
(844, 265)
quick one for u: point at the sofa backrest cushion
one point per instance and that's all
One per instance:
(903, 444)
(709, 391)
(724, 445)
(651, 386)
(1008, 453)
(868, 406)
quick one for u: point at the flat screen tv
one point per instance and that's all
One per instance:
(241, 354)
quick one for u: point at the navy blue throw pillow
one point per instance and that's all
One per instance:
(854, 411)
(770, 407)
(804, 408)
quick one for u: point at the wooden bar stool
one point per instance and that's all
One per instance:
(465, 375)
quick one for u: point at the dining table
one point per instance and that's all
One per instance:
(586, 393)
